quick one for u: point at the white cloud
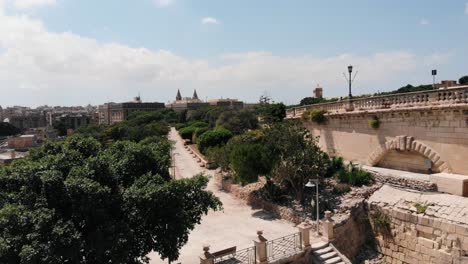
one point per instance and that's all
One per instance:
(209, 20)
(466, 8)
(164, 3)
(26, 4)
(424, 22)
(38, 67)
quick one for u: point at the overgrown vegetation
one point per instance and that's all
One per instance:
(374, 122)
(7, 129)
(354, 175)
(421, 208)
(316, 116)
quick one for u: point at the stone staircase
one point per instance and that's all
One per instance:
(325, 254)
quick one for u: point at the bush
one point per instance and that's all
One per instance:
(218, 157)
(317, 116)
(212, 138)
(374, 122)
(335, 165)
(187, 132)
(421, 208)
(248, 161)
(198, 132)
(354, 176)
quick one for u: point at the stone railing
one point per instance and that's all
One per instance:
(439, 97)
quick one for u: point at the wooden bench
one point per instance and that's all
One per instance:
(224, 252)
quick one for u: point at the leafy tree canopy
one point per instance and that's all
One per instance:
(7, 129)
(463, 80)
(79, 202)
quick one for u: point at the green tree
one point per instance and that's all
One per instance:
(463, 80)
(272, 113)
(7, 129)
(297, 156)
(248, 161)
(216, 137)
(238, 121)
(79, 202)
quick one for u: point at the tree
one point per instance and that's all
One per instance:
(212, 138)
(463, 80)
(272, 113)
(7, 129)
(80, 202)
(248, 161)
(238, 121)
(296, 155)
(311, 100)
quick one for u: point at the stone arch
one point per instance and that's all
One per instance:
(407, 143)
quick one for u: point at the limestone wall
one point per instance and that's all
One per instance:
(439, 135)
(437, 233)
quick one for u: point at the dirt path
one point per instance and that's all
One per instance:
(236, 225)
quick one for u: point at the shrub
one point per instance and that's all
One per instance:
(316, 116)
(199, 124)
(421, 208)
(335, 165)
(215, 137)
(248, 161)
(187, 132)
(374, 122)
(218, 157)
(354, 176)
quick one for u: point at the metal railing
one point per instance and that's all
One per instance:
(437, 97)
(244, 256)
(284, 247)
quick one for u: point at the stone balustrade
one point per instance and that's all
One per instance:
(439, 97)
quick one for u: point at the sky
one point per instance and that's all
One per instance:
(78, 52)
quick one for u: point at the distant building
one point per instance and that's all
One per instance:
(229, 103)
(69, 120)
(187, 103)
(24, 142)
(111, 113)
(318, 92)
(28, 120)
(7, 156)
(447, 84)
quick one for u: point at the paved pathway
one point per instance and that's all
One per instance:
(236, 225)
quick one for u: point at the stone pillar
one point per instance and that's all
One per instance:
(328, 226)
(305, 228)
(349, 106)
(206, 257)
(261, 249)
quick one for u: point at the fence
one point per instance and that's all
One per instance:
(284, 247)
(440, 97)
(244, 256)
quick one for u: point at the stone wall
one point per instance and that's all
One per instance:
(438, 233)
(439, 135)
(245, 193)
(352, 233)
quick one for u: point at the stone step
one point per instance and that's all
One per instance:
(323, 250)
(328, 255)
(334, 260)
(319, 245)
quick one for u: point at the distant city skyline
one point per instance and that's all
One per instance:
(70, 52)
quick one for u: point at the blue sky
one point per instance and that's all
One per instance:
(88, 51)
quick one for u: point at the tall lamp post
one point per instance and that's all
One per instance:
(350, 71)
(311, 184)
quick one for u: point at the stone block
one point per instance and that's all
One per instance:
(451, 183)
(425, 229)
(426, 242)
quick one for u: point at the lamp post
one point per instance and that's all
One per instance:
(311, 184)
(350, 71)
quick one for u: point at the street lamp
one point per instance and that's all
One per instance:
(311, 184)
(350, 71)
